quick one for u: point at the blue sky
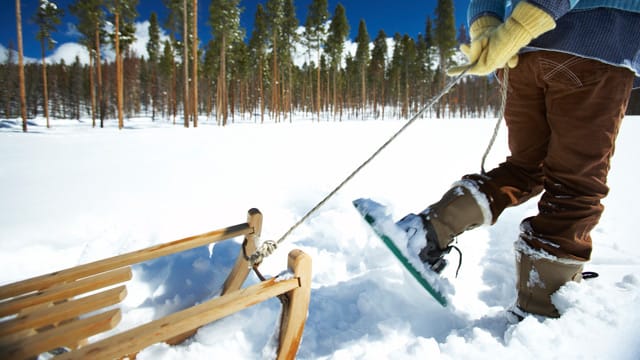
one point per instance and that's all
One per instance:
(401, 16)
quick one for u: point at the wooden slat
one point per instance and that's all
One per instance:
(240, 270)
(51, 339)
(64, 311)
(295, 311)
(66, 291)
(134, 340)
(78, 272)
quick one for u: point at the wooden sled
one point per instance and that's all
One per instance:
(56, 313)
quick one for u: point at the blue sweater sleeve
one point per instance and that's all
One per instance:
(498, 8)
(478, 8)
(555, 8)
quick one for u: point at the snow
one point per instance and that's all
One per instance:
(72, 194)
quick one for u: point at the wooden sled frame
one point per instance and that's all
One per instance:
(44, 313)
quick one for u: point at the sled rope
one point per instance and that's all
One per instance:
(503, 104)
(268, 247)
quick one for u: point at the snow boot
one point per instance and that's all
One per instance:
(432, 231)
(538, 276)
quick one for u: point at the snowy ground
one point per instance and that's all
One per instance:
(73, 194)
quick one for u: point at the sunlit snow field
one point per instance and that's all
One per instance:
(73, 194)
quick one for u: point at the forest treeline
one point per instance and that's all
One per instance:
(238, 75)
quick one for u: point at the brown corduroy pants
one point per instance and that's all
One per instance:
(563, 113)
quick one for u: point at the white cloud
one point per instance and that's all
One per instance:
(68, 53)
(142, 38)
(72, 30)
(139, 46)
(302, 54)
(4, 53)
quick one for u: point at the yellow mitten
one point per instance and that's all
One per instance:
(483, 25)
(499, 46)
(479, 31)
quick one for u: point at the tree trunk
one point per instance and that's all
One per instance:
(363, 78)
(383, 101)
(185, 64)
(318, 87)
(119, 77)
(174, 92)
(92, 93)
(222, 80)
(274, 85)
(261, 86)
(194, 50)
(45, 105)
(290, 93)
(23, 96)
(101, 99)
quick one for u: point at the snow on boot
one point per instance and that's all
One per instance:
(432, 231)
(418, 228)
(538, 276)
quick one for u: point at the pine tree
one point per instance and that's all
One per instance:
(445, 31)
(463, 38)
(185, 60)
(173, 23)
(377, 68)
(362, 59)
(23, 101)
(90, 19)
(166, 68)
(123, 13)
(224, 17)
(288, 36)
(8, 78)
(209, 71)
(194, 54)
(90, 22)
(47, 18)
(75, 87)
(239, 74)
(258, 46)
(428, 34)
(334, 47)
(445, 39)
(153, 51)
(395, 71)
(408, 72)
(275, 16)
(314, 33)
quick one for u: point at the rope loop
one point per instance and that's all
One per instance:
(267, 248)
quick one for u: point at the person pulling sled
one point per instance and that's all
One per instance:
(572, 66)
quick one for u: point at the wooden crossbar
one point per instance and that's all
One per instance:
(136, 339)
(153, 252)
